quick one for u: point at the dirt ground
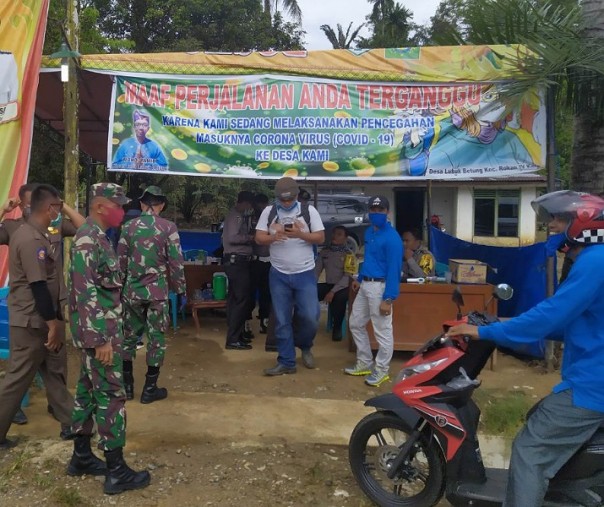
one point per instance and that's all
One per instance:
(226, 435)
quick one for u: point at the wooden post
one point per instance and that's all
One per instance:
(70, 124)
(70, 110)
(429, 212)
(550, 166)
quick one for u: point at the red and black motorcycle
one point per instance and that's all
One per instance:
(422, 442)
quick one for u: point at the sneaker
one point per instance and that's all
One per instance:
(359, 369)
(308, 359)
(139, 345)
(20, 417)
(377, 378)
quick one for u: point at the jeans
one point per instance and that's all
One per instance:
(289, 292)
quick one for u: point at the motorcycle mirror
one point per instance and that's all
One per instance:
(456, 297)
(503, 291)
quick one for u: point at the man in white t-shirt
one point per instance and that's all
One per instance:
(293, 230)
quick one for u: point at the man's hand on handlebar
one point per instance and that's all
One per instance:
(463, 329)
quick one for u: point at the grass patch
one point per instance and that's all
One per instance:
(16, 465)
(503, 412)
(68, 497)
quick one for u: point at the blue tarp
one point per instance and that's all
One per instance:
(193, 240)
(524, 268)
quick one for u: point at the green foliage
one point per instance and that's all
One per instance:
(196, 25)
(341, 40)
(206, 201)
(68, 497)
(391, 25)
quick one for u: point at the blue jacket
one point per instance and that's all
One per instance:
(383, 258)
(574, 315)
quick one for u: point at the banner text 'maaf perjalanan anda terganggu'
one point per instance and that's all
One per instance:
(269, 126)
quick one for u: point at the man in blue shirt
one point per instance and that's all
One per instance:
(567, 418)
(377, 287)
(140, 152)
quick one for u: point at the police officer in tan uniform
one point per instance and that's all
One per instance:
(418, 260)
(35, 315)
(57, 231)
(335, 289)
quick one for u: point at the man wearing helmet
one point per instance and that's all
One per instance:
(567, 418)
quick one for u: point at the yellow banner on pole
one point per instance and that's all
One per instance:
(22, 28)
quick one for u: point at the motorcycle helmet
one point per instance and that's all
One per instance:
(584, 213)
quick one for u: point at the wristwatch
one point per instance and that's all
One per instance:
(389, 301)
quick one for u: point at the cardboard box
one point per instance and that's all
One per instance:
(468, 271)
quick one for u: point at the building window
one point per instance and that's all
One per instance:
(496, 213)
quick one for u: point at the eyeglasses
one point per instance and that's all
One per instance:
(141, 124)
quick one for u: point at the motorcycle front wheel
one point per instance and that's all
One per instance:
(374, 443)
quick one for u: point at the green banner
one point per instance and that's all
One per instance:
(268, 127)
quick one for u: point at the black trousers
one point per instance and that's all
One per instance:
(338, 304)
(260, 287)
(238, 299)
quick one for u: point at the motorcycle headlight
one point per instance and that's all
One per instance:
(417, 368)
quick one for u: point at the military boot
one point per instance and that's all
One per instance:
(120, 477)
(151, 392)
(83, 461)
(129, 385)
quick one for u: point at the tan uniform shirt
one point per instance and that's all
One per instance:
(31, 259)
(332, 260)
(8, 228)
(421, 264)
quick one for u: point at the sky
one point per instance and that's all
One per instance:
(331, 12)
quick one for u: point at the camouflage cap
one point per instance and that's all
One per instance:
(110, 191)
(153, 190)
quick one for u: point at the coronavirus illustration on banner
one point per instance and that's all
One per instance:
(270, 126)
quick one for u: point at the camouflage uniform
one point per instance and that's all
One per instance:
(96, 317)
(151, 261)
(420, 265)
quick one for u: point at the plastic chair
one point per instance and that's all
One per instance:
(173, 297)
(329, 324)
(441, 268)
(190, 255)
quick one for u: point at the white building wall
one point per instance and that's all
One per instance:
(527, 226)
(464, 216)
(444, 201)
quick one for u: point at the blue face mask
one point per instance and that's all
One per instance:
(378, 219)
(554, 242)
(56, 222)
(289, 208)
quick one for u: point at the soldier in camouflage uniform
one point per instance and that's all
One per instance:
(152, 264)
(418, 260)
(96, 325)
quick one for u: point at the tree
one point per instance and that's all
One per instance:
(588, 149)
(391, 25)
(341, 40)
(291, 7)
(196, 25)
(566, 56)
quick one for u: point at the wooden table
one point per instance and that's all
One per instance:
(197, 277)
(420, 310)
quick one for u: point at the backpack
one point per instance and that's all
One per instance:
(304, 213)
